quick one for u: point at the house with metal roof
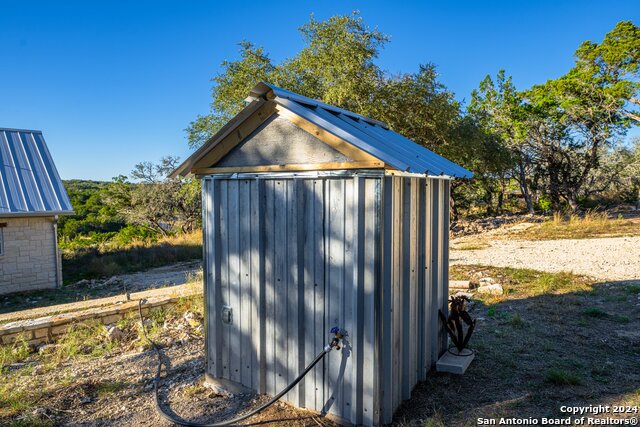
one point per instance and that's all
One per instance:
(32, 197)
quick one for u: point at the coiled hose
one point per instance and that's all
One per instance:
(156, 382)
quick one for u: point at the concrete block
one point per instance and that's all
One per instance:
(455, 363)
(493, 289)
(61, 329)
(10, 338)
(111, 319)
(11, 328)
(41, 333)
(459, 284)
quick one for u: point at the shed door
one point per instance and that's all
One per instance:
(292, 258)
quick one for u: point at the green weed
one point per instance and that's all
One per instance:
(551, 282)
(16, 352)
(620, 319)
(108, 387)
(517, 321)
(633, 289)
(562, 377)
(84, 339)
(436, 420)
(31, 421)
(14, 400)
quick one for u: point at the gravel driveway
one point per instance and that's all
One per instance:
(609, 258)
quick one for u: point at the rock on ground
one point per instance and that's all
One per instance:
(492, 289)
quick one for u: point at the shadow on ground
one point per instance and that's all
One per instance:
(537, 353)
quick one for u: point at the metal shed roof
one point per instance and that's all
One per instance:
(368, 135)
(29, 181)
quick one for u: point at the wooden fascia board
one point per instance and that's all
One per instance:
(235, 136)
(185, 168)
(328, 138)
(376, 164)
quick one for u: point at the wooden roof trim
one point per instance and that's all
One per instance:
(236, 136)
(203, 161)
(298, 167)
(185, 168)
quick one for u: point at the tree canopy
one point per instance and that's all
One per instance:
(560, 130)
(549, 138)
(337, 65)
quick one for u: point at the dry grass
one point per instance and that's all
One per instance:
(94, 262)
(589, 225)
(85, 340)
(523, 283)
(472, 245)
(550, 340)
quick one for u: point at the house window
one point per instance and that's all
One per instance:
(1, 240)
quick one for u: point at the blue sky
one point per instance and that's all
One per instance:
(114, 83)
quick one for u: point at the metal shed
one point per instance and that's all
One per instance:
(317, 217)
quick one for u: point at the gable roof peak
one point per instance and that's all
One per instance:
(368, 135)
(270, 92)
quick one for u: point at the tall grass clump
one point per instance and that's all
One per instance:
(87, 338)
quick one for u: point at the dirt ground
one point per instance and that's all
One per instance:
(116, 388)
(550, 340)
(118, 391)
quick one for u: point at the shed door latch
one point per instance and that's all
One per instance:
(227, 314)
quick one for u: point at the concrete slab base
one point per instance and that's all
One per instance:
(225, 387)
(455, 363)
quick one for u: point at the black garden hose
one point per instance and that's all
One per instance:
(156, 383)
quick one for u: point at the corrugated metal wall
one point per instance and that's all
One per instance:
(294, 257)
(415, 284)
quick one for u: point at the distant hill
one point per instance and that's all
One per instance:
(92, 215)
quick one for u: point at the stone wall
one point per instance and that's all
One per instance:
(29, 256)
